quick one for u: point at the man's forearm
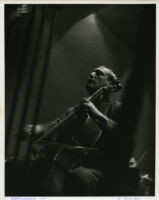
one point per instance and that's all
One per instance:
(103, 121)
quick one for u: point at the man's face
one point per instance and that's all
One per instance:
(97, 78)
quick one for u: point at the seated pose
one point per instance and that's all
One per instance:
(102, 168)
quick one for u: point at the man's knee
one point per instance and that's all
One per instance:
(83, 181)
(79, 173)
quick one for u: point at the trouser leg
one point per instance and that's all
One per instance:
(54, 183)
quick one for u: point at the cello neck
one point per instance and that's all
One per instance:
(68, 116)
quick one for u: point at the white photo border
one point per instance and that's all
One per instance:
(2, 96)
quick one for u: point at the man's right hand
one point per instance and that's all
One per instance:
(31, 131)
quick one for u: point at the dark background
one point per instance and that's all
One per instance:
(50, 51)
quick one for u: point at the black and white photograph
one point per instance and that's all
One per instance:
(80, 100)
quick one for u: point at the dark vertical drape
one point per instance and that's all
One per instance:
(20, 61)
(140, 82)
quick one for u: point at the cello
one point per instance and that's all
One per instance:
(70, 154)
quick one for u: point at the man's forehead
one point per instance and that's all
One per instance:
(102, 68)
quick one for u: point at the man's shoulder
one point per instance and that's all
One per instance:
(118, 105)
(116, 110)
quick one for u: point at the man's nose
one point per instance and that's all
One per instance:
(92, 75)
